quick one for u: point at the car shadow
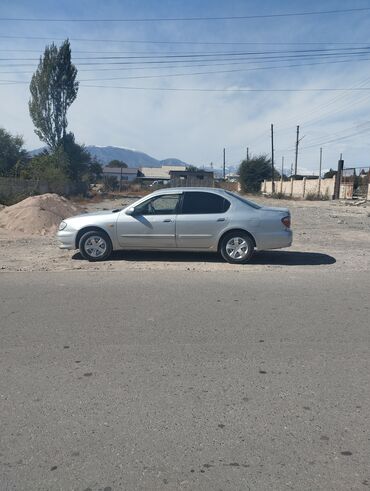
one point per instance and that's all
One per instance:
(281, 258)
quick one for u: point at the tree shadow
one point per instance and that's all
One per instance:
(277, 257)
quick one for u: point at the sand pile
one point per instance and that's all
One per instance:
(38, 215)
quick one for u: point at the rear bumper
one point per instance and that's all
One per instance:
(276, 240)
(67, 239)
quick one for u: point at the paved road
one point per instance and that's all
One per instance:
(185, 380)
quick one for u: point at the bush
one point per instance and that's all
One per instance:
(317, 197)
(312, 197)
(280, 195)
(47, 167)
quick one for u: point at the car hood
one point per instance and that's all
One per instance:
(273, 208)
(97, 213)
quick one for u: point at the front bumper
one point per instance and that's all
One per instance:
(67, 239)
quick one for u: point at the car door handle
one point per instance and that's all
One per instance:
(220, 219)
(168, 220)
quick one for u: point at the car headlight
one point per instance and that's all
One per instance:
(62, 225)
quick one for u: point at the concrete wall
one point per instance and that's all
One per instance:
(346, 190)
(301, 188)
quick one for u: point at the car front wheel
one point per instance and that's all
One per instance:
(237, 247)
(95, 246)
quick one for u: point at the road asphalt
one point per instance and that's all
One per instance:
(167, 380)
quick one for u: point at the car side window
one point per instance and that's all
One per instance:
(166, 204)
(197, 202)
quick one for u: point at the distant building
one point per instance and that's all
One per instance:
(184, 178)
(128, 174)
(150, 174)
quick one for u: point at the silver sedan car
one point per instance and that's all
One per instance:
(180, 219)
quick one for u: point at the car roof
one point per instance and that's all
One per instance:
(183, 189)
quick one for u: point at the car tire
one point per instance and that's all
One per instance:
(95, 245)
(237, 247)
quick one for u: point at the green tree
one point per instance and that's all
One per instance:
(95, 170)
(192, 168)
(53, 89)
(78, 157)
(254, 171)
(330, 173)
(117, 163)
(12, 154)
(47, 167)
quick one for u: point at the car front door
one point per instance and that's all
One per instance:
(202, 218)
(152, 224)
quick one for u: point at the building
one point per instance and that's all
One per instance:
(184, 178)
(128, 174)
(151, 174)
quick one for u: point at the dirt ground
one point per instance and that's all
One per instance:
(327, 234)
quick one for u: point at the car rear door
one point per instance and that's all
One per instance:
(201, 219)
(152, 226)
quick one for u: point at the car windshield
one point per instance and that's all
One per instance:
(244, 200)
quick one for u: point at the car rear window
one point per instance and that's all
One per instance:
(199, 202)
(243, 200)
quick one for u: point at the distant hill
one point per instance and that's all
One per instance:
(173, 162)
(132, 158)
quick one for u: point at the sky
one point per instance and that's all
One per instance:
(182, 88)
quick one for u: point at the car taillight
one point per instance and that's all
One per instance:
(286, 221)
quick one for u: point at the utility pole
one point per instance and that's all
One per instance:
(224, 164)
(338, 178)
(320, 171)
(272, 158)
(282, 167)
(247, 154)
(296, 152)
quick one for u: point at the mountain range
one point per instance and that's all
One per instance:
(132, 158)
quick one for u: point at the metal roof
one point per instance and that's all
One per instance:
(117, 170)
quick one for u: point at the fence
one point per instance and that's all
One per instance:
(355, 183)
(12, 187)
(301, 188)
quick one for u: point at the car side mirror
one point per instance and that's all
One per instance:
(130, 211)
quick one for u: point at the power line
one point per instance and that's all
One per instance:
(338, 139)
(314, 52)
(230, 90)
(187, 19)
(315, 142)
(193, 43)
(186, 89)
(136, 60)
(283, 128)
(338, 134)
(236, 70)
(214, 72)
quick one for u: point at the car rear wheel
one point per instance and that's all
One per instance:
(237, 247)
(95, 246)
